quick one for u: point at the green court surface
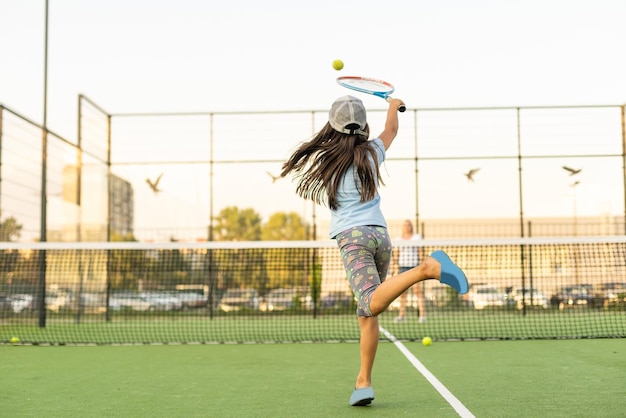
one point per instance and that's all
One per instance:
(555, 378)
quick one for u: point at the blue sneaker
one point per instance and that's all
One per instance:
(451, 274)
(362, 397)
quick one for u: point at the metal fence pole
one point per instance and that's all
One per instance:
(44, 178)
(1, 115)
(623, 111)
(415, 156)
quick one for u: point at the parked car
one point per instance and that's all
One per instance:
(530, 297)
(122, 302)
(162, 301)
(610, 293)
(56, 300)
(286, 298)
(191, 300)
(574, 296)
(237, 299)
(21, 302)
(486, 296)
(5, 305)
(336, 300)
(93, 303)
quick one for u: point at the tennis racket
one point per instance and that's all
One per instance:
(368, 85)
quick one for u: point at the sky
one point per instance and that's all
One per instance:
(213, 56)
(198, 55)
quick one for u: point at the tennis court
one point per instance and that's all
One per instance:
(279, 357)
(558, 378)
(154, 263)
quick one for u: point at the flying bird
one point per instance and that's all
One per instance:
(274, 178)
(572, 171)
(154, 185)
(470, 174)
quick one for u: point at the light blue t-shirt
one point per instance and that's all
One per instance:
(351, 211)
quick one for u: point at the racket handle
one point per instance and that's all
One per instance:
(402, 107)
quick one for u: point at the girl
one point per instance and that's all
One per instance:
(339, 167)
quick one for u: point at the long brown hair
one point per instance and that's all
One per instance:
(320, 164)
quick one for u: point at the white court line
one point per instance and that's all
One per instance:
(443, 391)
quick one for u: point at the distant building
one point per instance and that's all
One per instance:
(122, 207)
(94, 218)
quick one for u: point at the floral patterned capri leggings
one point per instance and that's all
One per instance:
(366, 254)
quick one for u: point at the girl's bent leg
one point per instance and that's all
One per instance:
(438, 266)
(393, 287)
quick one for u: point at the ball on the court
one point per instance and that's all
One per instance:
(338, 64)
(14, 340)
(427, 341)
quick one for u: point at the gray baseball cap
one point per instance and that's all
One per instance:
(347, 115)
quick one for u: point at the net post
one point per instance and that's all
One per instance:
(107, 295)
(41, 289)
(211, 283)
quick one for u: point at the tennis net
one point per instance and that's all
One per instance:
(296, 291)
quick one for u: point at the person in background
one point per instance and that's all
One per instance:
(406, 257)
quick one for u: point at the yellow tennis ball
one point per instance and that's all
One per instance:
(15, 340)
(337, 64)
(427, 341)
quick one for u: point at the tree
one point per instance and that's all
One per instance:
(286, 267)
(238, 267)
(10, 229)
(170, 266)
(126, 267)
(284, 227)
(8, 260)
(117, 237)
(233, 224)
